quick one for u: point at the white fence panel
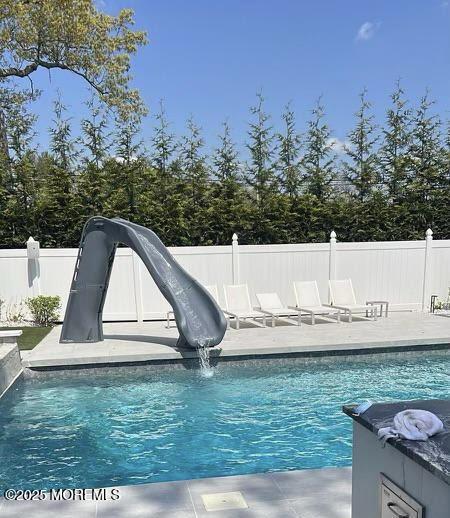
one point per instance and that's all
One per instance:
(390, 271)
(56, 271)
(15, 284)
(120, 299)
(274, 268)
(440, 269)
(395, 271)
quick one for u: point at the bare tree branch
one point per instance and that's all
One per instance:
(32, 67)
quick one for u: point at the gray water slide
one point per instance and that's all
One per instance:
(199, 319)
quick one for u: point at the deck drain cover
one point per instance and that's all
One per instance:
(224, 501)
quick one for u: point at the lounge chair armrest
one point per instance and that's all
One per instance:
(296, 308)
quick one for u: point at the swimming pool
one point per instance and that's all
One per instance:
(138, 425)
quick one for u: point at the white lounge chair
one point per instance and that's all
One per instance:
(239, 306)
(308, 301)
(271, 304)
(213, 291)
(343, 298)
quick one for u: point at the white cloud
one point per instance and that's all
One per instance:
(337, 145)
(445, 4)
(121, 160)
(366, 31)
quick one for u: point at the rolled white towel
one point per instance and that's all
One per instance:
(414, 425)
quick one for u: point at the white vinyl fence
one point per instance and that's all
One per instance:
(406, 273)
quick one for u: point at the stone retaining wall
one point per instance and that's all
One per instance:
(10, 365)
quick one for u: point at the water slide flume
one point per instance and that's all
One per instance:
(199, 319)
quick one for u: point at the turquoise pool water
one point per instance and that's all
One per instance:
(138, 425)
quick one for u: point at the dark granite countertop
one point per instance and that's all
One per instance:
(434, 454)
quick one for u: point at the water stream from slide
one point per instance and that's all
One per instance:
(206, 371)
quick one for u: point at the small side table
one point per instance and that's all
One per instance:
(384, 306)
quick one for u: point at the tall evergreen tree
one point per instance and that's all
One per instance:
(163, 143)
(62, 144)
(165, 200)
(95, 134)
(191, 153)
(318, 160)
(59, 220)
(91, 181)
(56, 200)
(428, 174)
(226, 158)
(260, 171)
(425, 150)
(289, 146)
(230, 206)
(260, 175)
(446, 152)
(394, 152)
(126, 172)
(196, 175)
(19, 121)
(19, 183)
(190, 199)
(441, 199)
(362, 165)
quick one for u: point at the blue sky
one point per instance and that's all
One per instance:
(208, 58)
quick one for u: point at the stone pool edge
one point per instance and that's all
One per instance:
(10, 366)
(224, 355)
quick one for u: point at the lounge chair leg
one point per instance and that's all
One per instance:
(350, 317)
(264, 321)
(168, 320)
(387, 309)
(338, 317)
(273, 321)
(299, 321)
(375, 313)
(313, 319)
(228, 323)
(237, 323)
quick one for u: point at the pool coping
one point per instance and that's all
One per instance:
(152, 342)
(223, 355)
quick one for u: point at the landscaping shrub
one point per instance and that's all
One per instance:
(44, 309)
(15, 312)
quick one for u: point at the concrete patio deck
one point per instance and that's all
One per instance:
(130, 342)
(319, 493)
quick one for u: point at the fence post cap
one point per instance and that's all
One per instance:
(429, 232)
(32, 248)
(333, 234)
(235, 238)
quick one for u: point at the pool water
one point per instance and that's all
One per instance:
(138, 425)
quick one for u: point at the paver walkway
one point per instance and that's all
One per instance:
(320, 493)
(149, 341)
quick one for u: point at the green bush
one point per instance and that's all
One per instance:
(44, 309)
